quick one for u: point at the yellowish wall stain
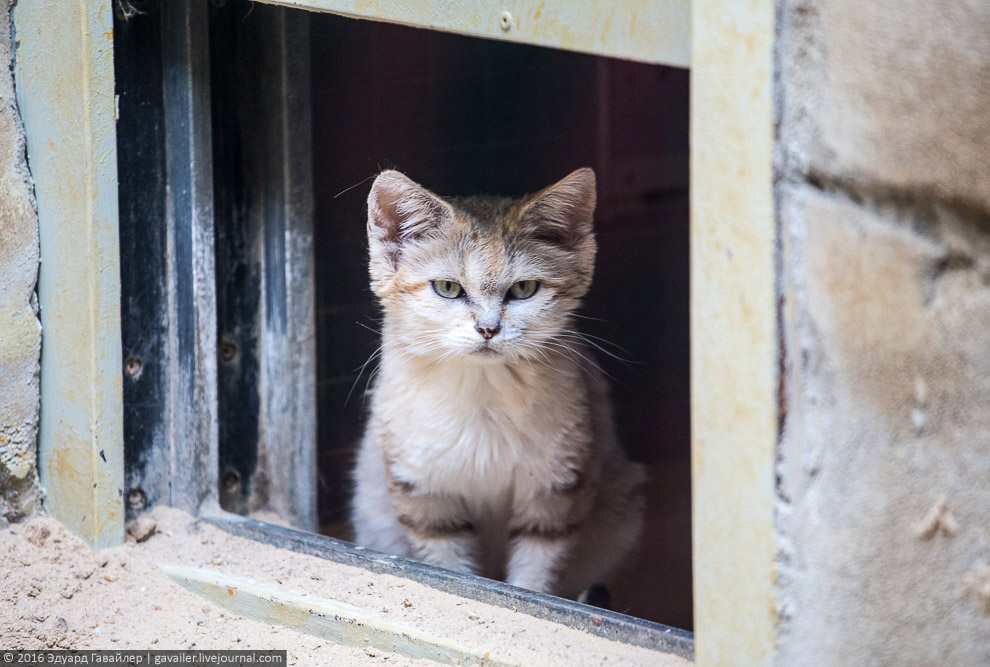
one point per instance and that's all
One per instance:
(733, 332)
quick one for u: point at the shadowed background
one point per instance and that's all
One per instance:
(469, 116)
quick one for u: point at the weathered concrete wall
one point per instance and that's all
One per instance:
(884, 208)
(20, 332)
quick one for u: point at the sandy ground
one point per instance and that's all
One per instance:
(57, 593)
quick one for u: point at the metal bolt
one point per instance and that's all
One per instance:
(228, 351)
(133, 367)
(505, 21)
(231, 479)
(136, 499)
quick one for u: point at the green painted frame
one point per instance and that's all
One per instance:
(64, 81)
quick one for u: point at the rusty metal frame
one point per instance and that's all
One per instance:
(64, 79)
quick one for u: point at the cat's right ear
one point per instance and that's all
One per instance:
(400, 210)
(564, 212)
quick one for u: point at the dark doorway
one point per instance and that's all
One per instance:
(469, 116)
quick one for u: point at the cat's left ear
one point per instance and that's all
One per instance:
(564, 212)
(400, 210)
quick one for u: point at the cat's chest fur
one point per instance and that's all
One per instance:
(483, 432)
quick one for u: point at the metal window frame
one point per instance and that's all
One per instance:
(650, 31)
(65, 90)
(64, 85)
(168, 329)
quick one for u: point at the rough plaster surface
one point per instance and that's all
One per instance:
(892, 93)
(885, 477)
(20, 332)
(55, 592)
(883, 510)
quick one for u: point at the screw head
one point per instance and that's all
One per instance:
(231, 480)
(133, 367)
(228, 351)
(136, 499)
(505, 21)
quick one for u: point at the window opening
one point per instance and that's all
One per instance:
(468, 116)
(304, 107)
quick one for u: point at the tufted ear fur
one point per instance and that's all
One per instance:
(399, 210)
(564, 212)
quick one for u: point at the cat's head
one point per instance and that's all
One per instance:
(480, 278)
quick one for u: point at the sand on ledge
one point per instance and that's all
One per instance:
(55, 592)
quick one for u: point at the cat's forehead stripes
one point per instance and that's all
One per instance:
(491, 267)
(487, 215)
(487, 263)
(495, 247)
(484, 243)
(493, 218)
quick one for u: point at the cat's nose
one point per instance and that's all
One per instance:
(487, 331)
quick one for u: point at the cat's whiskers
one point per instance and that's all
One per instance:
(546, 346)
(570, 350)
(544, 357)
(398, 343)
(374, 355)
(443, 357)
(588, 317)
(574, 335)
(587, 336)
(414, 341)
(371, 378)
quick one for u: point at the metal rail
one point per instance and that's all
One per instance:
(600, 622)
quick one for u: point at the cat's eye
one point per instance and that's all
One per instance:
(448, 289)
(523, 289)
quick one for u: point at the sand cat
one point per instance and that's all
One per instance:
(490, 446)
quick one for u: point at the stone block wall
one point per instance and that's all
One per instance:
(20, 331)
(883, 200)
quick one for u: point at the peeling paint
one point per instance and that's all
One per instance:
(652, 31)
(65, 92)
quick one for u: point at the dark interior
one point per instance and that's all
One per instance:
(469, 116)
(461, 116)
